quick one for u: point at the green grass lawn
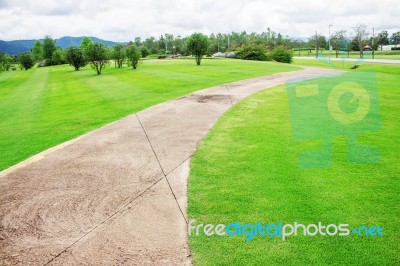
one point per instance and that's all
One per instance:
(43, 107)
(368, 55)
(247, 170)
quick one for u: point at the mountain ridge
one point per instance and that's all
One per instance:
(15, 47)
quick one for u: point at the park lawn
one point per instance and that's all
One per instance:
(343, 65)
(394, 55)
(43, 107)
(246, 170)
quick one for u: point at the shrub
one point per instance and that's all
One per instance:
(145, 52)
(27, 61)
(253, 52)
(282, 55)
(75, 57)
(58, 57)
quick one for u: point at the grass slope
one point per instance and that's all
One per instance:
(43, 107)
(246, 170)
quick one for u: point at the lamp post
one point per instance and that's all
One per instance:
(329, 42)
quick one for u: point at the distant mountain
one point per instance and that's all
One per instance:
(21, 46)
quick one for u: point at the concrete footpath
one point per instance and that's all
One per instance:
(116, 195)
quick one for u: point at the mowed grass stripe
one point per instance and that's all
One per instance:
(48, 106)
(247, 170)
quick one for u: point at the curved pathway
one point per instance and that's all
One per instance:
(116, 195)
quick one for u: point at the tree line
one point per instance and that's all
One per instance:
(350, 40)
(252, 46)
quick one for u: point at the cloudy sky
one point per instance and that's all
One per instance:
(123, 20)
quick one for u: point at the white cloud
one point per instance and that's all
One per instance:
(125, 20)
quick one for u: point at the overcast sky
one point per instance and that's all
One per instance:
(123, 20)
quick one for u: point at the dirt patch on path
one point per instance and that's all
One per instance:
(118, 194)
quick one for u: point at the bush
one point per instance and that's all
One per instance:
(145, 52)
(282, 55)
(75, 57)
(27, 61)
(58, 57)
(395, 48)
(253, 52)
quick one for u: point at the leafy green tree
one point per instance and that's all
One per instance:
(49, 47)
(97, 55)
(37, 51)
(2, 59)
(145, 51)
(75, 57)
(58, 57)
(318, 41)
(383, 38)
(138, 41)
(198, 44)
(119, 55)
(86, 42)
(27, 61)
(395, 38)
(133, 54)
(5, 62)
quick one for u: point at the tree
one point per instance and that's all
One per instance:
(5, 62)
(198, 45)
(383, 38)
(360, 35)
(395, 38)
(27, 61)
(58, 57)
(169, 38)
(133, 54)
(75, 57)
(138, 41)
(145, 51)
(49, 47)
(86, 42)
(119, 55)
(318, 41)
(338, 39)
(97, 56)
(37, 51)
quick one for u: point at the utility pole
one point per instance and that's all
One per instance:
(329, 42)
(218, 43)
(373, 37)
(228, 41)
(316, 44)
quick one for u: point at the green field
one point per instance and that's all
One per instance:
(367, 55)
(43, 107)
(246, 170)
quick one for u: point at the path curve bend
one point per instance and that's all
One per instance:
(117, 195)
